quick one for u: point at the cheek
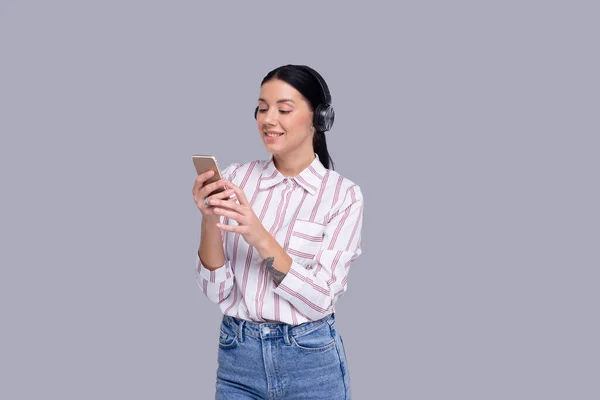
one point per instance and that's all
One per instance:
(297, 125)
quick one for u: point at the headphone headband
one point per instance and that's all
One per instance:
(319, 78)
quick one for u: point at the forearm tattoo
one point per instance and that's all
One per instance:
(275, 274)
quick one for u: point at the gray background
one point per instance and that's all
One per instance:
(471, 127)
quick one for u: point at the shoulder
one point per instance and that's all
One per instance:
(343, 194)
(343, 187)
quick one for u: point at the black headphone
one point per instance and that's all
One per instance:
(324, 114)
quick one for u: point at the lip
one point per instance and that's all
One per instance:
(270, 139)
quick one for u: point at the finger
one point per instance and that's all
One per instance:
(211, 187)
(225, 195)
(239, 193)
(229, 228)
(220, 196)
(228, 213)
(200, 179)
(227, 204)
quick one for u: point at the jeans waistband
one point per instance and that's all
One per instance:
(265, 330)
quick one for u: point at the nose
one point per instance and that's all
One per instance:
(270, 117)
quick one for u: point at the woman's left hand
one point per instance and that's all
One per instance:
(249, 226)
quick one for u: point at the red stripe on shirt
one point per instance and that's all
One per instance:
(309, 281)
(339, 228)
(301, 254)
(336, 195)
(355, 229)
(306, 183)
(308, 237)
(235, 292)
(314, 171)
(313, 215)
(304, 299)
(334, 263)
(273, 175)
(276, 306)
(221, 291)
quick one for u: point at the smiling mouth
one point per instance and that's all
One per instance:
(273, 135)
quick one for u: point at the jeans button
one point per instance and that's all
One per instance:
(266, 330)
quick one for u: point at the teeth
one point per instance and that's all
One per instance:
(273, 134)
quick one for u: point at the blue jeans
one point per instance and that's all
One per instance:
(281, 361)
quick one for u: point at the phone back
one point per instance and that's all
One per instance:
(204, 163)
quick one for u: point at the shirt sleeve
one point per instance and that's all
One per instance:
(217, 284)
(314, 291)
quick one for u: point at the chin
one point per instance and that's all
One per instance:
(272, 147)
(274, 150)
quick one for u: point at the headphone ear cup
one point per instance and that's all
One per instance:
(255, 112)
(324, 117)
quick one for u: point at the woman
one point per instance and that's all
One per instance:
(276, 248)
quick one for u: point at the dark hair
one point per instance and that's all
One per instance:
(308, 85)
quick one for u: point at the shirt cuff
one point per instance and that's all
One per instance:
(218, 275)
(294, 280)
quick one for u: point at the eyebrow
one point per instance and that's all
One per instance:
(278, 101)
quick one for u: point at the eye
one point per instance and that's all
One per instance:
(262, 110)
(284, 112)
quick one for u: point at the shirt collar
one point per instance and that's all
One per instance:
(310, 178)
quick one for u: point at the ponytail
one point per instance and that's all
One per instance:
(320, 147)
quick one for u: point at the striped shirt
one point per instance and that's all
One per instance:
(316, 217)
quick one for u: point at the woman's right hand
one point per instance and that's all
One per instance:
(200, 192)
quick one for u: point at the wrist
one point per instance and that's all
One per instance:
(212, 219)
(264, 243)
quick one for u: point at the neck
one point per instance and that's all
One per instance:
(292, 165)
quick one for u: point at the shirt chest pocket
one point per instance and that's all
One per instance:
(306, 239)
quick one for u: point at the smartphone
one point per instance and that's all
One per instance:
(204, 163)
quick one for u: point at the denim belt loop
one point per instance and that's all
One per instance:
(331, 319)
(241, 330)
(286, 334)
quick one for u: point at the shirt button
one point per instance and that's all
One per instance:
(266, 330)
